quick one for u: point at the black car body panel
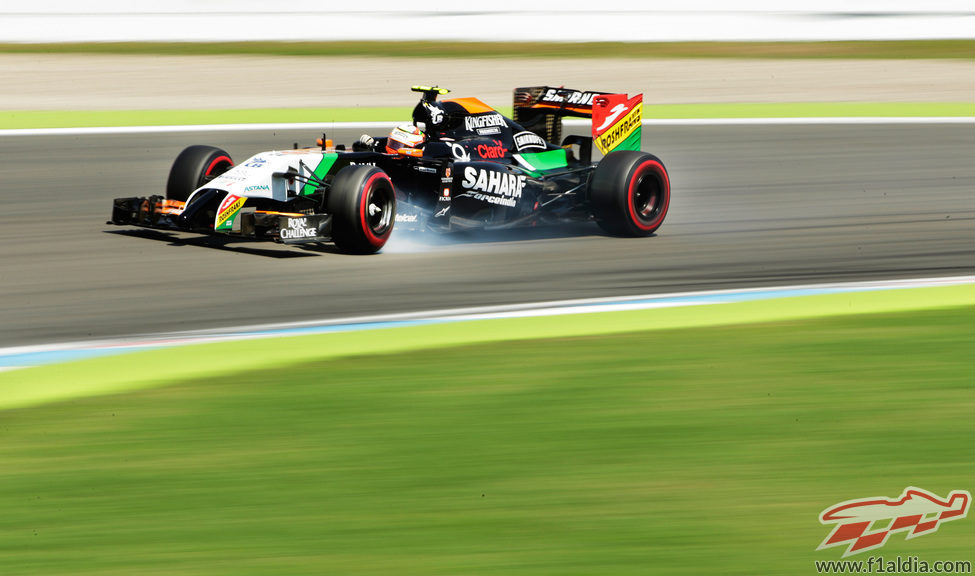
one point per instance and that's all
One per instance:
(477, 169)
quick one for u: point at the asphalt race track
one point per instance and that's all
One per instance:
(752, 206)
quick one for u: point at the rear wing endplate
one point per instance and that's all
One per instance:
(617, 122)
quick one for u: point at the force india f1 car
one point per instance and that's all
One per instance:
(476, 169)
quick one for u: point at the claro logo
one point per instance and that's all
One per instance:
(492, 152)
(866, 523)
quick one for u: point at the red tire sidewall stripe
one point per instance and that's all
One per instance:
(658, 169)
(364, 210)
(215, 162)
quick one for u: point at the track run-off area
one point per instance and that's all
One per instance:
(756, 203)
(265, 409)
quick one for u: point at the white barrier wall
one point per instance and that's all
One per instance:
(500, 20)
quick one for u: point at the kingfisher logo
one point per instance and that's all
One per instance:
(866, 524)
(494, 120)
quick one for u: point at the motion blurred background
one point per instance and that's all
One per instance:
(502, 20)
(688, 451)
(371, 58)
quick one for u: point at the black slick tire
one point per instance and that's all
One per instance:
(194, 167)
(362, 203)
(630, 193)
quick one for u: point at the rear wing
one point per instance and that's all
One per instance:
(617, 119)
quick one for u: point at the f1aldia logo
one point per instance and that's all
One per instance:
(866, 523)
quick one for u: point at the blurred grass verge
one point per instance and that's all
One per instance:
(123, 372)
(34, 119)
(894, 49)
(684, 451)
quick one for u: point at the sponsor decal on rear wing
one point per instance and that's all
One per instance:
(617, 122)
(562, 101)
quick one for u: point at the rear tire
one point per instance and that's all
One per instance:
(194, 167)
(630, 193)
(362, 203)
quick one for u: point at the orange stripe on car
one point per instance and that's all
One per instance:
(579, 110)
(271, 212)
(472, 105)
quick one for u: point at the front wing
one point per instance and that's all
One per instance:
(285, 227)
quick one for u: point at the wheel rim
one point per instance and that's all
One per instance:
(647, 198)
(379, 210)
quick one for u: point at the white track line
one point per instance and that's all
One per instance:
(24, 356)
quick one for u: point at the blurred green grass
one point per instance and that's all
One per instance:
(688, 451)
(894, 49)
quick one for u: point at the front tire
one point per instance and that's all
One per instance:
(630, 193)
(363, 207)
(194, 167)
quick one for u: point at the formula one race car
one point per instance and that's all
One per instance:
(460, 165)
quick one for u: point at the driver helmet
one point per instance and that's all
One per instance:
(405, 136)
